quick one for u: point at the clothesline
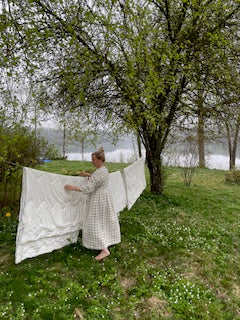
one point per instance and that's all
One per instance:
(51, 218)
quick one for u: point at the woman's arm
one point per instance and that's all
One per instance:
(84, 174)
(72, 188)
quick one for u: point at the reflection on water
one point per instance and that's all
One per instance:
(215, 161)
(220, 162)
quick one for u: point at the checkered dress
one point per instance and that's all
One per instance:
(101, 227)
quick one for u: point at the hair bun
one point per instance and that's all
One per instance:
(99, 154)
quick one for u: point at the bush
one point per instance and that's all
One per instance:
(233, 176)
(187, 174)
(52, 152)
(19, 147)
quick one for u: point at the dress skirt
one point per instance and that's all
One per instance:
(101, 227)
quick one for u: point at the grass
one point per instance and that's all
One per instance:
(179, 259)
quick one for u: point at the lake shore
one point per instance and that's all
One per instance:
(213, 161)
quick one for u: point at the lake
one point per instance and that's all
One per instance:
(214, 161)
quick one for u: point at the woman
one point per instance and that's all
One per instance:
(101, 226)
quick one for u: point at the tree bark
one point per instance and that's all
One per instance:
(232, 145)
(235, 141)
(232, 160)
(201, 140)
(64, 140)
(156, 172)
(154, 148)
(82, 147)
(200, 129)
(139, 146)
(231, 164)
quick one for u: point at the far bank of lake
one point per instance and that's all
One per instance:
(214, 161)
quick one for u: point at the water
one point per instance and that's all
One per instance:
(221, 162)
(215, 161)
(119, 155)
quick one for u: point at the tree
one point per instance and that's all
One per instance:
(229, 116)
(228, 94)
(232, 138)
(215, 80)
(130, 59)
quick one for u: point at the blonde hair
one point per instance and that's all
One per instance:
(100, 155)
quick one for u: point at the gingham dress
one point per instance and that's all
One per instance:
(101, 226)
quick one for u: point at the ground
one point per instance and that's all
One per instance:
(179, 259)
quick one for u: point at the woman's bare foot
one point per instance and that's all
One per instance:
(103, 254)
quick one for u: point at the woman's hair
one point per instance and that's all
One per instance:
(100, 155)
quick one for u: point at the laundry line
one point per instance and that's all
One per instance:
(51, 218)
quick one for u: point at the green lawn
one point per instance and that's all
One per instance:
(179, 259)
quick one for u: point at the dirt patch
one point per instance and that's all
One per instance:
(181, 215)
(160, 305)
(236, 290)
(127, 283)
(5, 259)
(194, 270)
(155, 303)
(78, 314)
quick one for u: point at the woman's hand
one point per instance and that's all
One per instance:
(84, 174)
(69, 187)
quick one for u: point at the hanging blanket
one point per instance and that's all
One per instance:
(117, 189)
(50, 217)
(135, 181)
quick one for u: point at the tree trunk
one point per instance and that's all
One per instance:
(139, 146)
(82, 147)
(64, 140)
(229, 145)
(201, 138)
(154, 163)
(232, 146)
(232, 160)
(156, 174)
(235, 141)
(35, 132)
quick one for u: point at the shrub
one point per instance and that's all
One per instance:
(18, 147)
(52, 152)
(187, 174)
(233, 176)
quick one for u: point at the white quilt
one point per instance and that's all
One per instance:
(135, 181)
(50, 217)
(117, 188)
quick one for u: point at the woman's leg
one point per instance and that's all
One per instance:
(103, 254)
